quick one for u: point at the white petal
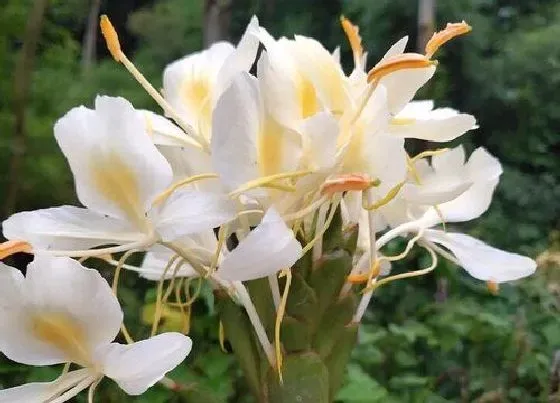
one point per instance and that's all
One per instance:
(236, 124)
(41, 392)
(241, 59)
(78, 300)
(68, 228)
(267, 249)
(397, 48)
(436, 129)
(483, 166)
(320, 134)
(117, 169)
(449, 161)
(155, 262)
(416, 109)
(137, 366)
(402, 86)
(434, 192)
(189, 211)
(481, 260)
(164, 132)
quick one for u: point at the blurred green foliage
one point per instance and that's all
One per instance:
(442, 338)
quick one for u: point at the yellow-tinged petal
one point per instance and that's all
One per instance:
(399, 62)
(9, 248)
(451, 31)
(111, 37)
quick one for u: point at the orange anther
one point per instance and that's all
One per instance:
(353, 34)
(451, 31)
(399, 62)
(346, 182)
(493, 287)
(9, 248)
(111, 37)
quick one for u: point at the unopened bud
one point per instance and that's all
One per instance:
(451, 31)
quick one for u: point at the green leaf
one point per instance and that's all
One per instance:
(361, 388)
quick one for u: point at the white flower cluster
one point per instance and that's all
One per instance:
(261, 157)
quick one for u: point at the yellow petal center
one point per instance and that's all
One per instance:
(64, 333)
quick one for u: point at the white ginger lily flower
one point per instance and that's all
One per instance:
(267, 249)
(477, 258)
(62, 312)
(420, 120)
(299, 78)
(192, 85)
(247, 143)
(118, 174)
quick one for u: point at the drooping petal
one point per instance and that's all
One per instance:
(190, 211)
(235, 127)
(117, 169)
(137, 366)
(481, 260)
(39, 392)
(267, 249)
(69, 228)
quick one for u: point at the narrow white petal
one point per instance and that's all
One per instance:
(137, 366)
(190, 211)
(436, 192)
(435, 129)
(164, 132)
(481, 260)
(397, 48)
(117, 169)
(41, 392)
(235, 127)
(155, 262)
(267, 249)
(68, 228)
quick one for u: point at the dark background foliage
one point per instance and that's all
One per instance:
(443, 338)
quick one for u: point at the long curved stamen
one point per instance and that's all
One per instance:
(260, 182)
(184, 182)
(451, 31)
(353, 34)
(113, 44)
(391, 194)
(279, 317)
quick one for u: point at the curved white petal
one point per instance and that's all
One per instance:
(436, 192)
(481, 260)
(190, 211)
(402, 86)
(137, 366)
(451, 161)
(41, 392)
(267, 249)
(434, 128)
(68, 228)
(64, 313)
(155, 262)
(483, 166)
(235, 127)
(164, 132)
(117, 169)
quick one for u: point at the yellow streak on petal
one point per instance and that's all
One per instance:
(9, 248)
(353, 34)
(309, 105)
(118, 184)
(399, 62)
(196, 93)
(111, 37)
(270, 146)
(64, 333)
(451, 31)
(402, 121)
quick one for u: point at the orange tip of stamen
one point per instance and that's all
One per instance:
(450, 31)
(399, 62)
(493, 287)
(346, 182)
(357, 278)
(353, 34)
(9, 248)
(111, 37)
